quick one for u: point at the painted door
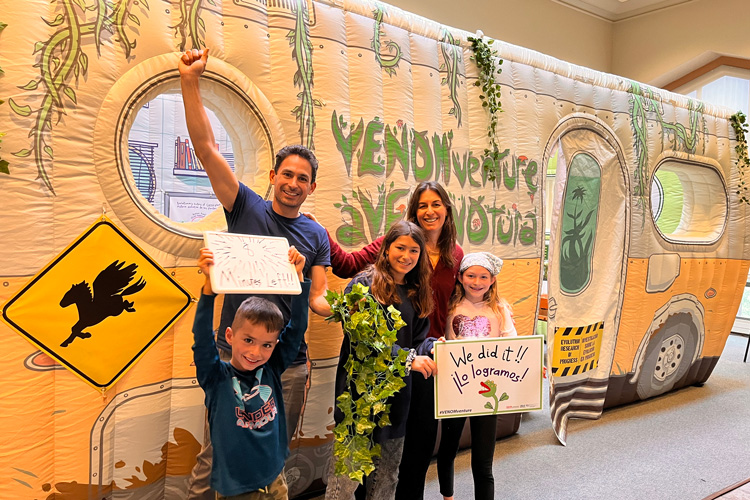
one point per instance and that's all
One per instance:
(588, 246)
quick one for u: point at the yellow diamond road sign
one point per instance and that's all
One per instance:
(99, 305)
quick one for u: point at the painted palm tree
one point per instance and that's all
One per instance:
(574, 265)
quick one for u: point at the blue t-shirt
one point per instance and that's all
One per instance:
(246, 408)
(251, 214)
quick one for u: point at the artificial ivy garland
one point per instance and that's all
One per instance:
(738, 121)
(488, 64)
(372, 371)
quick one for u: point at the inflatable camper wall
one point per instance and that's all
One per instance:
(647, 249)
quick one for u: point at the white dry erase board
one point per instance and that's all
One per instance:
(489, 376)
(251, 264)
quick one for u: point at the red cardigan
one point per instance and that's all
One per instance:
(443, 280)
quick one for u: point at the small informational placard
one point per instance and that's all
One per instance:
(489, 376)
(251, 264)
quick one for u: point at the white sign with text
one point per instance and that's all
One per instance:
(488, 376)
(251, 264)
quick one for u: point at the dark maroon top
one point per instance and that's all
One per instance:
(443, 280)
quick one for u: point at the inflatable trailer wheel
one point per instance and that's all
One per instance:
(668, 356)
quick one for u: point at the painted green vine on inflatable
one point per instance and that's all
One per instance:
(62, 60)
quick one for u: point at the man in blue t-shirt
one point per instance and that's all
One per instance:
(293, 179)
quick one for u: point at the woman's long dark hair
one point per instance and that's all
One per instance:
(447, 239)
(417, 281)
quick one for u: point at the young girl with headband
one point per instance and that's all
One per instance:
(476, 310)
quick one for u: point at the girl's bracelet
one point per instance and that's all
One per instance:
(409, 360)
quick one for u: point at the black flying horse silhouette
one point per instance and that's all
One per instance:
(107, 300)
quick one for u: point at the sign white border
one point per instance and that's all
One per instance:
(251, 264)
(468, 369)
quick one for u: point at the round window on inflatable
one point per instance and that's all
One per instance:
(688, 201)
(163, 164)
(145, 161)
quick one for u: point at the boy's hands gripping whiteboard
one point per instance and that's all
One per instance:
(251, 264)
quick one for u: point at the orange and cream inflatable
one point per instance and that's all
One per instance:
(648, 248)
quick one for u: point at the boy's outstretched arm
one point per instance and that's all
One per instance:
(205, 354)
(223, 181)
(205, 261)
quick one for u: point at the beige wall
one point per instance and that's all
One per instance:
(662, 46)
(541, 25)
(654, 48)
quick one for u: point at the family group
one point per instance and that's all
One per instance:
(254, 370)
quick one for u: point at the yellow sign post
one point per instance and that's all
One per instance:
(98, 306)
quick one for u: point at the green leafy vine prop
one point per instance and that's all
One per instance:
(3, 163)
(488, 64)
(739, 124)
(373, 372)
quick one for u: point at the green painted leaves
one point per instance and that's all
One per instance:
(374, 374)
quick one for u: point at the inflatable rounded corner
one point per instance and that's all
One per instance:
(246, 113)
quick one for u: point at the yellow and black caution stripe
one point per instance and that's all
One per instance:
(576, 349)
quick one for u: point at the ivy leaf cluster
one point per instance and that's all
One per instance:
(739, 124)
(373, 374)
(488, 63)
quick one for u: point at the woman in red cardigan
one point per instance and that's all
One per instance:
(431, 208)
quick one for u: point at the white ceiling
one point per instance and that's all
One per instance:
(619, 10)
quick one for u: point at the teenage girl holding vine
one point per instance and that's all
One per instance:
(431, 208)
(476, 310)
(400, 277)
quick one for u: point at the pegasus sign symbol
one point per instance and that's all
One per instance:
(107, 300)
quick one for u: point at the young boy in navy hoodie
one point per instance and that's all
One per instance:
(243, 396)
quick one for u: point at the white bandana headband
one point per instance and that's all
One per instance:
(484, 259)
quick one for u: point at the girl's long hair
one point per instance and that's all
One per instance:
(447, 239)
(491, 297)
(417, 281)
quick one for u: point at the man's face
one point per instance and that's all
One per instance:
(292, 183)
(252, 345)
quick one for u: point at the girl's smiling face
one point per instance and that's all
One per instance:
(402, 255)
(476, 281)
